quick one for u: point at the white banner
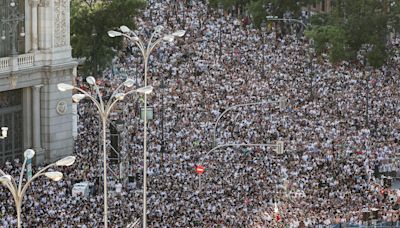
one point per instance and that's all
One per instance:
(75, 119)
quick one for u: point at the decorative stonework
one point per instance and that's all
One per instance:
(61, 107)
(60, 23)
(13, 81)
(33, 3)
(44, 3)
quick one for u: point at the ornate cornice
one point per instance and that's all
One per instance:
(44, 3)
(33, 3)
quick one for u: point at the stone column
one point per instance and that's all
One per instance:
(27, 117)
(34, 24)
(36, 131)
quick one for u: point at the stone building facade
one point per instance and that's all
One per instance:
(35, 55)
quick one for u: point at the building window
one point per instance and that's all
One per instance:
(11, 117)
(12, 32)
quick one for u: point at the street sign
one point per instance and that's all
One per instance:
(149, 113)
(200, 169)
(279, 147)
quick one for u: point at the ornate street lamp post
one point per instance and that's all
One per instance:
(146, 51)
(18, 191)
(282, 104)
(104, 111)
(162, 86)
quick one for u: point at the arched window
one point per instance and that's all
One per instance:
(12, 32)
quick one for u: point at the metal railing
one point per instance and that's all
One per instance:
(365, 225)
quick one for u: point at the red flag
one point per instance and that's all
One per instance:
(246, 201)
(277, 215)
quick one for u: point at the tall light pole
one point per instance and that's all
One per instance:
(312, 74)
(162, 86)
(263, 30)
(367, 97)
(18, 191)
(311, 46)
(104, 111)
(364, 58)
(281, 102)
(279, 149)
(146, 51)
(275, 18)
(220, 40)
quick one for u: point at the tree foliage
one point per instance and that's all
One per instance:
(90, 21)
(260, 9)
(351, 26)
(354, 25)
(228, 4)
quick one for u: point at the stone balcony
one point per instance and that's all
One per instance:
(36, 68)
(35, 60)
(19, 62)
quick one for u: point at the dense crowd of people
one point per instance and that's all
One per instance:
(340, 129)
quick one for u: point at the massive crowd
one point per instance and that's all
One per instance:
(340, 128)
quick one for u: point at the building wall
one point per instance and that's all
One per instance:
(47, 61)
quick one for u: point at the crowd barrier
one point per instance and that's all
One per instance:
(369, 225)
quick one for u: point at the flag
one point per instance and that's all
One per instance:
(246, 201)
(277, 215)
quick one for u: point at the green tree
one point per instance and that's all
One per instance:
(354, 25)
(90, 21)
(229, 4)
(260, 9)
